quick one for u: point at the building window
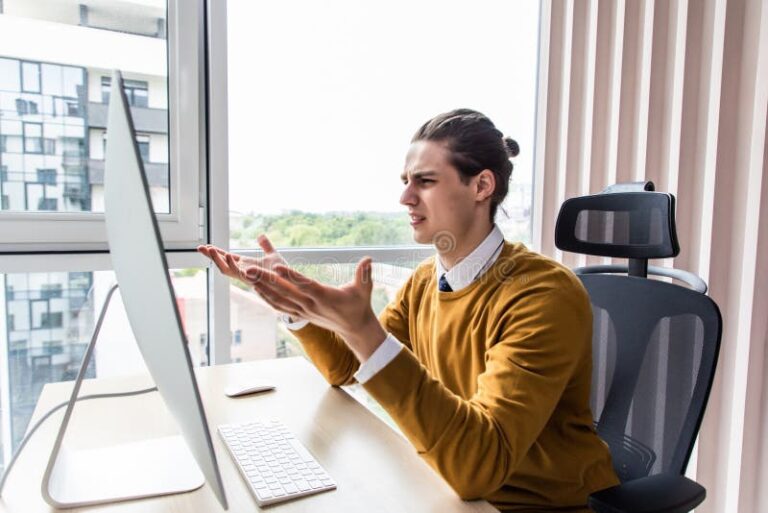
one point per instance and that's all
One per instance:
(33, 138)
(6, 203)
(136, 91)
(143, 143)
(47, 176)
(24, 107)
(237, 337)
(73, 108)
(49, 146)
(50, 290)
(3, 173)
(30, 77)
(53, 347)
(47, 204)
(72, 147)
(50, 320)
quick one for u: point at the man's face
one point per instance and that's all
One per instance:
(441, 207)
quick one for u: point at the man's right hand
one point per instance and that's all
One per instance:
(234, 266)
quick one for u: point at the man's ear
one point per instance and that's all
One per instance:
(485, 184)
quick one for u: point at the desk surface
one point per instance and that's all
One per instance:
(375, 468)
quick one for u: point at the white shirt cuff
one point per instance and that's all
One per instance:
(384, 354)
(291, 324)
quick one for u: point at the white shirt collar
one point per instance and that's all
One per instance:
(477, 262)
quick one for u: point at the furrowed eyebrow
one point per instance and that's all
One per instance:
(419, 174)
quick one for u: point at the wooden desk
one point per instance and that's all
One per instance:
(375, 468)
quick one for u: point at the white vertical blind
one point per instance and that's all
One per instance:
(675, 91)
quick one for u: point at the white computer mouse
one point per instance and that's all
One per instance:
(240, 389)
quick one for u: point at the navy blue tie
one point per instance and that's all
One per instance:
(442, 284)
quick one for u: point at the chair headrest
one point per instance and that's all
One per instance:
(636, 225)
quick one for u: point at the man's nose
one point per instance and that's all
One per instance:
(408, 197)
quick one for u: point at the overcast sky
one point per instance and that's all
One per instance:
(325, 95)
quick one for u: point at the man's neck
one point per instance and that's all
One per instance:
(465, 245)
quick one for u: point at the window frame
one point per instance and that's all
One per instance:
(182, 228)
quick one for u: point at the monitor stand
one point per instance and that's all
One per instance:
(136, 470)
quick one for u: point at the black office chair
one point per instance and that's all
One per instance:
(655, 346)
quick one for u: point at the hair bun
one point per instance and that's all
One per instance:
(512, 147)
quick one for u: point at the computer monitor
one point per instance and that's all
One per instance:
(139, 263)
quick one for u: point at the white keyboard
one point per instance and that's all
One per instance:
(273, 462)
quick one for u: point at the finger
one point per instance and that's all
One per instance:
(294, 276)
(221, 263)
(206, 249)
(363, 273)
(223, 253)
(275, 284)
(278, 302)
(233, 265)
(265, 244)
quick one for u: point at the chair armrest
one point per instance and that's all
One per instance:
(662, 493)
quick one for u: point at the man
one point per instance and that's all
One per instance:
(484, 356)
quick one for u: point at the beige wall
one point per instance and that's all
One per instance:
(676, 92)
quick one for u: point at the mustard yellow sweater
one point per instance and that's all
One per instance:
(493, 388)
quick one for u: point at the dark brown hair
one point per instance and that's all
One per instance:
(475, 144)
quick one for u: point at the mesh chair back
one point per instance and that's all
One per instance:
(625, 225)
(655, 348)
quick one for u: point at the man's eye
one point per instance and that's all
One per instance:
(426, 180)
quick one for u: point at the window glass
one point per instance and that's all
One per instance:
(52, 80)
(322, 108)
(33, 140)
(9, 75)
(61, 79)
(49, 319)
(30, 72)
(258, 331)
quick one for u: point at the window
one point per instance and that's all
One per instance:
(46, 176)
(142, 142)
(73, 108)
(9, 75)
(67, 95)
(352, 87)
(52, 65)
(49, 321)
(30, 77)
(47, 204)
(136, 91)
(33, 138)
(316, 148)
(24, 107)
(51, 347)
(50, 290)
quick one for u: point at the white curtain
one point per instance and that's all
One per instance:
(675, 91)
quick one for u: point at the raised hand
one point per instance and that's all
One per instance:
(233, 265)
(345, 310)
